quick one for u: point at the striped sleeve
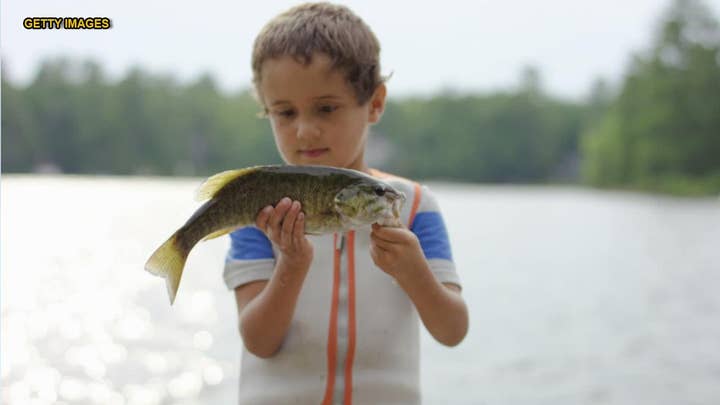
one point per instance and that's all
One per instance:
(429, 227)
(250, 257)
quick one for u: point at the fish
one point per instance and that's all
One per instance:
(332, 200)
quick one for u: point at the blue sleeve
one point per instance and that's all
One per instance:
(430, 230)
(249, 243)
(250, 257)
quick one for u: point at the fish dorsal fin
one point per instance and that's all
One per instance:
(214, 183)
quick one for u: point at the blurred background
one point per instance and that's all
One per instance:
(574, 148)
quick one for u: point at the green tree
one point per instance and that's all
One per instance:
(663, 131)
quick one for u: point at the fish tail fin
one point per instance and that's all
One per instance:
(168, 261)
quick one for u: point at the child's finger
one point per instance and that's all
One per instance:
(261, 221)
(373, 254)
(278, 214)
(382, 245)
(299, 230)
(392, 234)
(380, 234)
(288, 223)
(376, 253)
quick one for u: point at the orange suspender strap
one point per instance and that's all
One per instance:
(332, 329)
(332, 333)
(415, 206)
(351, 319)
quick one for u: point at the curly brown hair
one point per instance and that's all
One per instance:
(331, 29)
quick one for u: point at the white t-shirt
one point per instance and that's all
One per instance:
(354, 337)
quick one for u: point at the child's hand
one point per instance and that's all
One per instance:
(284, 225)
(396, 251)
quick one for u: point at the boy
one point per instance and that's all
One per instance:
(334, 318)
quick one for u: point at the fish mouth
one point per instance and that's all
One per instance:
(391, 216)
(396, 200)
(394, 196)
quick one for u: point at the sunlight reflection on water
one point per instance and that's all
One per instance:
(82, 322)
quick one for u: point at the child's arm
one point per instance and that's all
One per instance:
(266, 308)
(442, 309)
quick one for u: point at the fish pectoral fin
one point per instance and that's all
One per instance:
(216, 182)
(219, 233)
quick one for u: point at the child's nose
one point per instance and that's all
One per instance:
(307, 129)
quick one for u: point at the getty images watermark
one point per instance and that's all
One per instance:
(68, 23)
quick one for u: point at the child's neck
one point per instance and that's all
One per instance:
(359, 165)
(362, 167)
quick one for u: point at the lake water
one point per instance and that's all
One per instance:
(575, 296)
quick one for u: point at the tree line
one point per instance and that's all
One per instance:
(658, 129)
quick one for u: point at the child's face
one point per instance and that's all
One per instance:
(314, 113)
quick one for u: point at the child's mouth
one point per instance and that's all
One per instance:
(313, 153)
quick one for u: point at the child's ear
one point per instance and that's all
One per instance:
(377, 103)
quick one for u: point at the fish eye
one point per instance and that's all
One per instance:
(379, 191)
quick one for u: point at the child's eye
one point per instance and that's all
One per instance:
(327, 108)
(285, 113)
